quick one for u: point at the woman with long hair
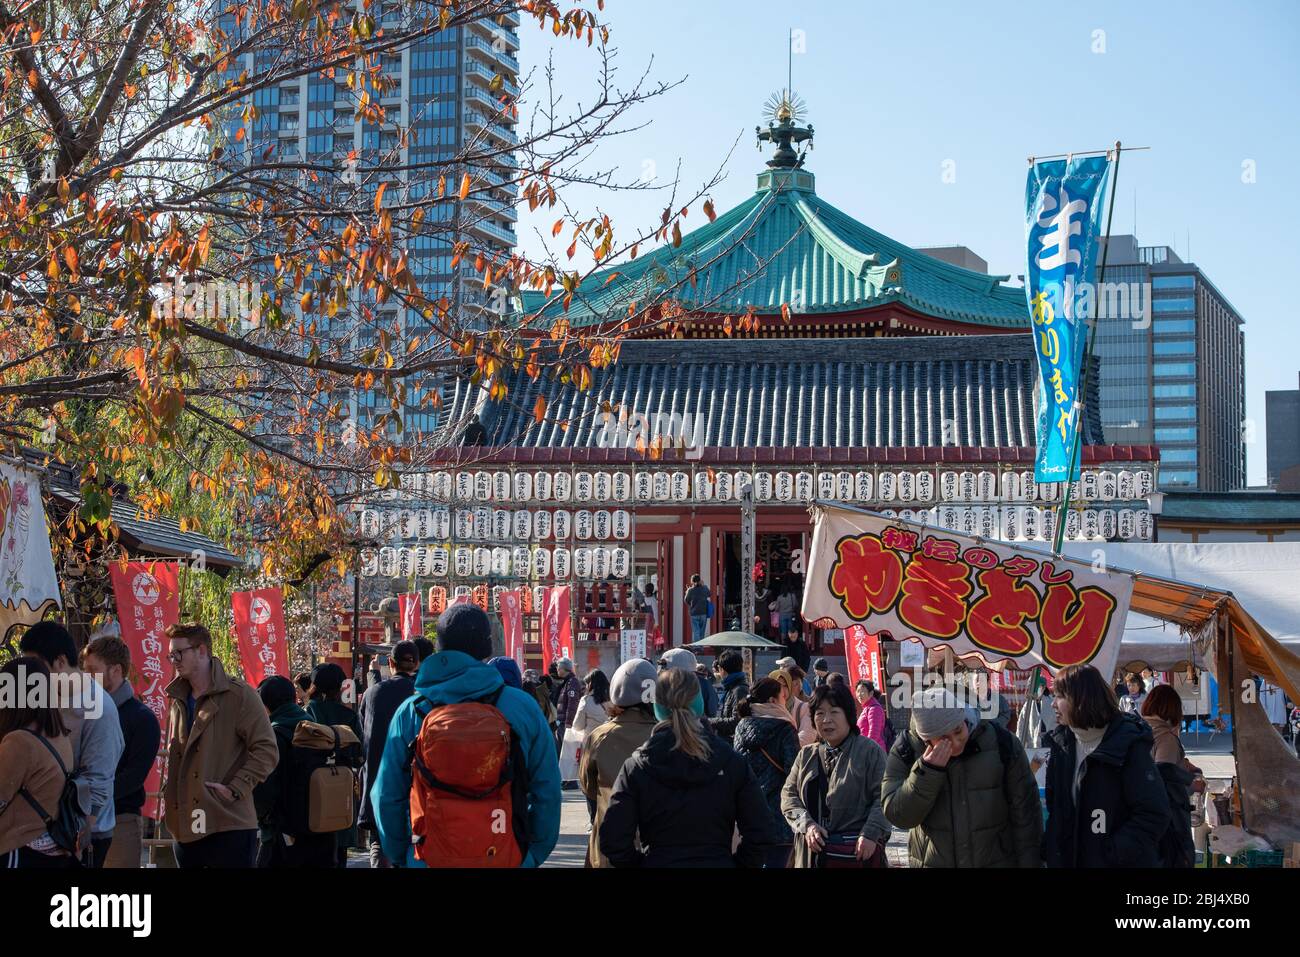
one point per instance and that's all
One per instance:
(684, 792)
(593, 711)
(35, 757)
(1106, 804)
(831, 798)
(766, 737)
(1163, 712)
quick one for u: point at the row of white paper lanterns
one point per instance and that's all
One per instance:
(781, 486)
(519, 562)
(483, 522)
(1028, 522)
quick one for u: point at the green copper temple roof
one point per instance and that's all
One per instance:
(786, 245)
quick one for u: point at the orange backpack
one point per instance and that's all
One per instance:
(468, 788)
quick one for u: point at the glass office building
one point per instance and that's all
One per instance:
(1172, 366)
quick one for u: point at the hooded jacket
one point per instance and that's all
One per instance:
(735, 688)
(685, 810)
(606, 751)
(1122, 810)
(770, 745)
(980, 810)
(450, 677)
(231, 742)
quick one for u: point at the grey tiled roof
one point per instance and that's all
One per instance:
(968, 391)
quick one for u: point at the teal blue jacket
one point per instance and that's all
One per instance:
(450, 677)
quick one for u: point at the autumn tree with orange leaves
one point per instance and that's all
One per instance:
(130, 164)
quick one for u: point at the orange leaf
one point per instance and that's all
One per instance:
(555, 230)
(464, 186)
(677, 233)
(379, 196)
(539, 409)
(239, 135)
(70, 257)
(708, 210)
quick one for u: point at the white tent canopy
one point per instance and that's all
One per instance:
(1263, 576)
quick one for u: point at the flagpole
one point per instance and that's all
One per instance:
(1082, 395)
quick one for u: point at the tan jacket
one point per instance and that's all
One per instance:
(231, 742)
(606, 750)
(26, 763)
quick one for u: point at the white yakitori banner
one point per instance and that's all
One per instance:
(1009, 605)
(28, 586)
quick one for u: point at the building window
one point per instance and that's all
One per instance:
(1173, 282)
(1175, 435)
(1182, 456)
(1180, 304)
(1164, 327)
(1179, 477)
(1166, 413)
(1169, 370)
(1181, 390)
(1178, 347)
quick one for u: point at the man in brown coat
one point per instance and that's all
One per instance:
(609, 746)
(219, 747)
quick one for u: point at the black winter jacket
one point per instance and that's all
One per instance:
(140, 734)
(378, 705)
(1176, 847)
(1122, 811)
(685, 810)
(735, 688)
(763, 741)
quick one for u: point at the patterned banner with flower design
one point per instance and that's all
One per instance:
(1004, 603)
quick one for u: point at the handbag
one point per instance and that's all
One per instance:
(839, 850)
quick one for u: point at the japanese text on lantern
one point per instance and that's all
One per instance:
(999, 603)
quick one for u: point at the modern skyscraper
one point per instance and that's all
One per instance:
(1172, 366)
(453, 92)
(1282, 431)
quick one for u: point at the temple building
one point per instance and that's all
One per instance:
(874, 375)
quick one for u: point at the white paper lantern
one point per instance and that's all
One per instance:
(370, 523)
(561, 563)
(662, 487)
(602, 486)
(1126, 485)
(1088, 486)
(948, 486)
(622, 486)
(541, 562)
(925, 486)
(1107, 524)
(500, 561)
(582, 563)
(423, 523)
(523, 482)
(541, 525)
(1145, 483)
(501, 486)
(966, 486)
(762, 486)
(844, 486)
(600, 525)
(680, 487)
(1047, 524)
(1144, 525)
(543, 486)
(523, 525)
(889, 513)
(621, 562)
(1073, 524)
(463, 561)
(539, 597)
(443, 486)
(369, 562)
(864, 486)
(722, 486)
(1049, 491)
(906, 487)
(1010, 486)
(1011, 524)
(949, 517)
(522, 562)
(1127, 523)
(622, 524)
(464, 486)
(907, 515)
(643, 487)
(438, 559)
(562, 486)
(803, 486)
(582, 486)
(703, 487)
(1090, 524)
(826, 485)
(739, 482)
(1031, 527)
(986, 486)
(1106, 485)
(482, 523)
(482, 561)
(561, 524)
(463, 593)
(582, 524)
(464, 523)
(887, 486)
(483, 486)
(423, 565)
(969, 521)
(600, 562)
(988, 522)
(387, 562)
(783, 486)
(1028, 487)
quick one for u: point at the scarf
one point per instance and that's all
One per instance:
(770, 709)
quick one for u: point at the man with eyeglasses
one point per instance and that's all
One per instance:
(219, 747)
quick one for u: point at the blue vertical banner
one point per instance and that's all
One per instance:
(1063, 202)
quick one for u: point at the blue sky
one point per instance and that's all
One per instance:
(896, 91)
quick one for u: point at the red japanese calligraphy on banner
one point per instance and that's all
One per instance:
(260, 633)
(1011, 606)
(148, 601)
(862, 649)
(408, 613)
(512, 625)
(556, 628)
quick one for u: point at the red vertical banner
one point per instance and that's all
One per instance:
(863, 652)
(512, 625)
(260, 633)
(148, 601)
(556, 630)
(408, 611)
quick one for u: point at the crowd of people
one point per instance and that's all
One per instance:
(457, 758)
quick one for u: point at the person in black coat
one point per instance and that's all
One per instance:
(684, 793)
(1106, 803)
(378, 706)
(767, 739)
(735, 689)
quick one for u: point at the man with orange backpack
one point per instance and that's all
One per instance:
(468, 751)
